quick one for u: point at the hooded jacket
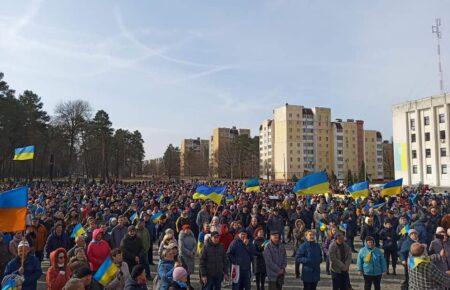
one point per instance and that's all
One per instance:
(374, 266)
(57, 276)
(97, 251)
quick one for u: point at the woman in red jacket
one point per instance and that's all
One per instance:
(59, 273)
(98, 250)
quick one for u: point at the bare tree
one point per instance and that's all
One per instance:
(71, 117)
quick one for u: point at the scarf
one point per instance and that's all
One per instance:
(413, 262)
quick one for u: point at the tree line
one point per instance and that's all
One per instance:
(71, 143)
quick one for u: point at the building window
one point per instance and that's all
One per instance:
(427, 153)
(414, 169)
(441, 118)
(414, 154)
(412, 124)
(427, 136)
(428, 169)
(443, 152)
(442, 134)
(413, 138)
(426, 120)
(444, 169)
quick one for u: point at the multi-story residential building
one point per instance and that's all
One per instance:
(194, 157)
(266, 132)
(323, 137)
(373, 155)
(347, 147)
(221, 157)
(388, 160)
(421, 142)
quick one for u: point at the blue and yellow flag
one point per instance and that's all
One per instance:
(156, 217)
(343, 227)
(322, 226)
(10, 284)
(13, 209)
(392, 188)
(213, 193)
(134, 217)
(315, 183)
(358, 190)
(405, 230)
(78, 230)
(230, 198)
(106, 272)
(24, 153)
(416, 261)
(252, 185)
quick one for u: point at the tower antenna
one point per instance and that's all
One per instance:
(435, 29)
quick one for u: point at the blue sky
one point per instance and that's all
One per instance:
(177, 69)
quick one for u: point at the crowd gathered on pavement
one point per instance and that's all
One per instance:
(231, 244)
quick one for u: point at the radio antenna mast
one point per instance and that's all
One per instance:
(435, 29)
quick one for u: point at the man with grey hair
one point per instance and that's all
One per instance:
(25, 264)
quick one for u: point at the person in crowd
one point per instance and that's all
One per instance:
(166, 266)
(118, 282)
(275, 259)
(371, 264)
(14, 243)
(370, 229)
(259, 268)
(179, 282)
(389, 238)
(79, 260)
(118, 232)
(59, 272)
(25, 264)
(5, 255)
(422, 273)
(98, 250)
(80, 280)
(131, 247)
(241, 253)
(39, 235)
(275, 223)
(412, 238)
(441, 246)
(57, 239)
(340, 260)
(137, 279)
(143, 234)
(79, 243)
(213, 264)
(203, 216)
(309, 255)
(168, 239)
(187, 246)
(17, 281)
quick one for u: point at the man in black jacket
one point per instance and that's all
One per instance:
(212, 263)
(131, 247)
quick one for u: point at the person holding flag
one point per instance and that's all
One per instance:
(98, 250)
(371, 264)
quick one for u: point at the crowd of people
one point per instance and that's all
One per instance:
(224, 245)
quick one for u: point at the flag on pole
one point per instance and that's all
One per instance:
(392, 188)
(252, 185)
(106, 272)
(24, 153)
(315, 183)
(214, 193)
(358, 190)
(78, 230)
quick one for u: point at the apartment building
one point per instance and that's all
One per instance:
(421, 141)
(194, 157)
(266, 132)
(373, 145)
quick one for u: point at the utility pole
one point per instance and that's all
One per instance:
(435, 29)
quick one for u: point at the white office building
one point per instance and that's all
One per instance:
(421, 141)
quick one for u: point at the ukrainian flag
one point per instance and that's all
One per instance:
(343, 227)
(405, 230)
(252, 185)
(392, 188)
(415, 261)
(24, 153)
(315, 183)
(78, 230)
(13, 209)
(156, 217)
(106, 272)
(322, 226)
(10, 284)
(230, 198)
(358, 190)
(213, 193)
(134, 217)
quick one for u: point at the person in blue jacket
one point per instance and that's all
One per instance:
(309, 254)
(371, 264)
(412, 238)
(241, 252)
(31, 269)
(166, 266)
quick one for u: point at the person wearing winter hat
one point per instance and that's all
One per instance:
(98, 250)
(371, 264)
(179, 281)
(413, 237)
(137, 280)
(131, 247)
(441, 246)
(31, 269)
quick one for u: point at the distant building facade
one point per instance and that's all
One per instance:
(388, 160)
(194, 157)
